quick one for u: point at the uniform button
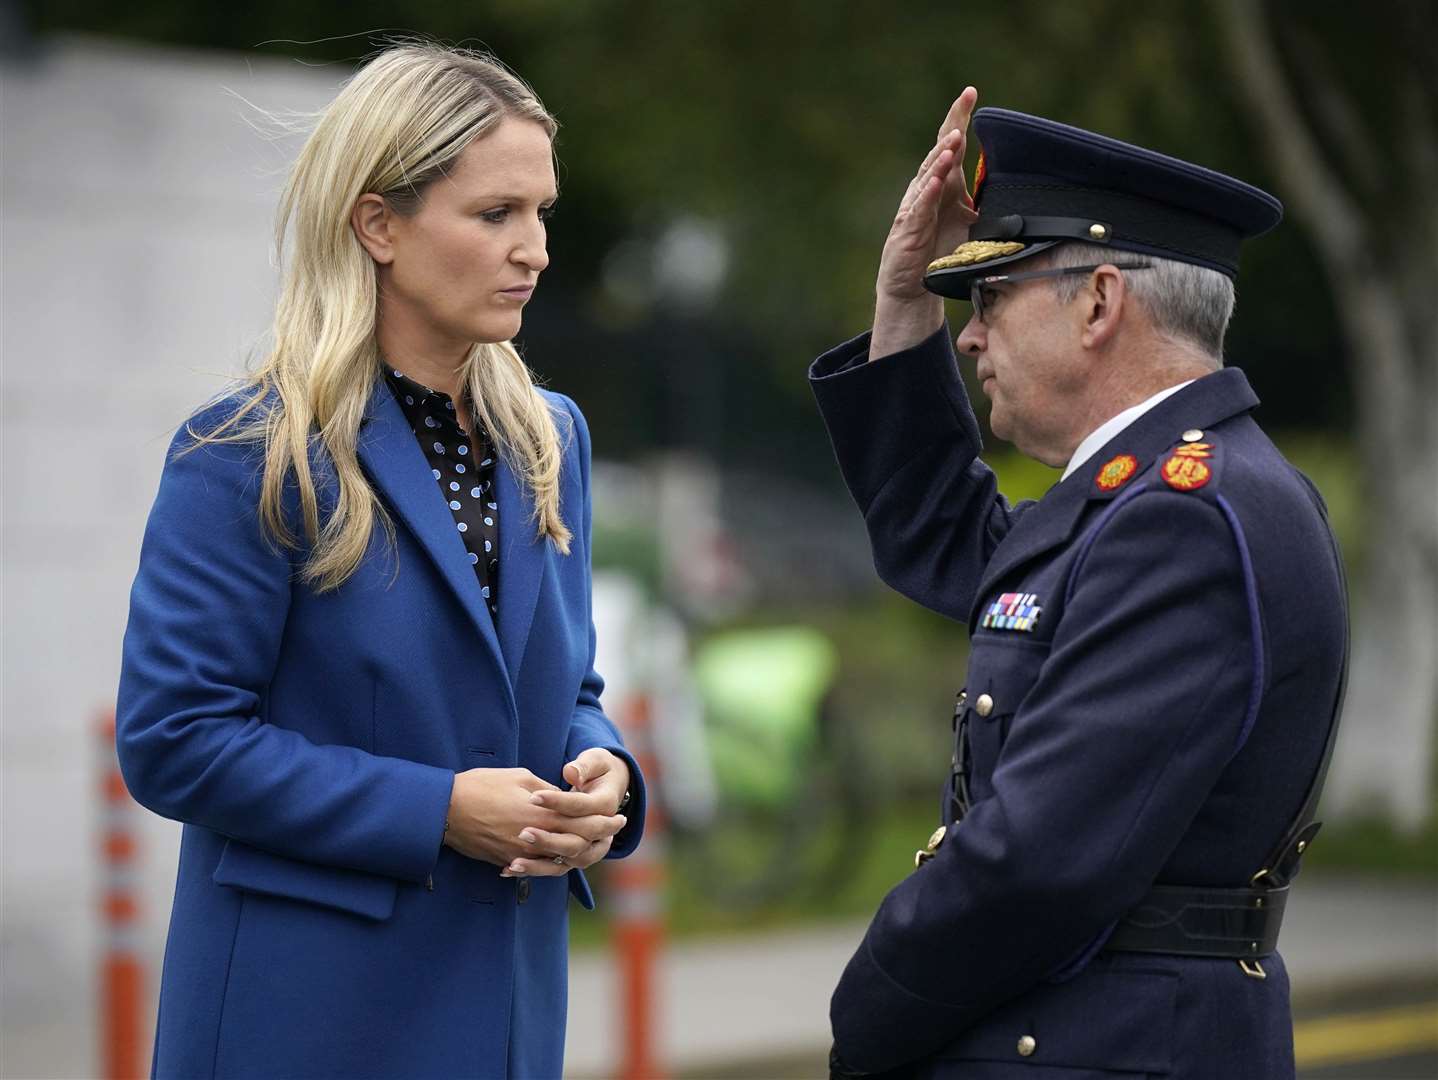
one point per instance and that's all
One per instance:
(1027, 1045)
(523, 889)
(984, 705)
(1192, 435)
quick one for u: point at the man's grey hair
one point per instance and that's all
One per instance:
(1186, 303)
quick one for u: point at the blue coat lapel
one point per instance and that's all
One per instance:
(523, 555)
(396, 464)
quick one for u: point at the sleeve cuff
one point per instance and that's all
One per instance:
(627, 839)
(880, 414)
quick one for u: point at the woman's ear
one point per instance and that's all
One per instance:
(371, 220)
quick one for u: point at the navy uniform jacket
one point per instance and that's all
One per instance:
(309, 741)
(1159, 720)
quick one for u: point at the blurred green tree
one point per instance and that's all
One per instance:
(1356, 155)
(783, 134)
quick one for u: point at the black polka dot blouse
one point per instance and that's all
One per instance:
(463, 466)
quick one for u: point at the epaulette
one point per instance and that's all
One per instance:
(1193, 464)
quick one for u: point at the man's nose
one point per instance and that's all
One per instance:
(972, 337)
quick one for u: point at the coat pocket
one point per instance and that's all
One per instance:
(252, 870)
(1105, 1020)
(1001, 674)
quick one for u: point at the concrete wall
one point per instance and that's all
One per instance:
(135, 214)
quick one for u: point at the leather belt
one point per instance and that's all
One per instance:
(1187, 920)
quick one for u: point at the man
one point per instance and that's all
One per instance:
(1157, 643)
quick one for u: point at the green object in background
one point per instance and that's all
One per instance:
(762, 690)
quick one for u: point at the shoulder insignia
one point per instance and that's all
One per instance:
(1186, 471)
(1116, 472)
(1195, 450)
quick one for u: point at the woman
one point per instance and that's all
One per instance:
(359, 662)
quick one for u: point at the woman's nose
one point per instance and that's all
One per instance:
(534, 251)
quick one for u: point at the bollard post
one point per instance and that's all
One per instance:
(121, 975)
(637, 903)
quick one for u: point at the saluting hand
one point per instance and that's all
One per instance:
(589, 817)
(933, 218)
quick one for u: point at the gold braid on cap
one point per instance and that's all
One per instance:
(976, 251)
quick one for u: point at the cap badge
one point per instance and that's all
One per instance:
(976, 251)
(1116, 472)
(981, 172)
(1013, 611)
(1186, 473)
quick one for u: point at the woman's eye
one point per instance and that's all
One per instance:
(546, 212)
(496, 217)
(989, 296)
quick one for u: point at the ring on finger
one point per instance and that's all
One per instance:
(559, 860)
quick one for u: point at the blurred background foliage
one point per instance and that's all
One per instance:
(771, 141)
(728, 171)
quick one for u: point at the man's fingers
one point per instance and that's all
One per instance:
(957, 118)
(924, 192)
(926, 170)
(917, 228)
(945, 142)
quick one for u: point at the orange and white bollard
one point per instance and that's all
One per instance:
(122, 1054)
(636, 901)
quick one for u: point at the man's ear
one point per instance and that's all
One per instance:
(1101, 306)
(370, 220)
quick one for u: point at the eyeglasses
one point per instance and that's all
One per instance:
(983, 294)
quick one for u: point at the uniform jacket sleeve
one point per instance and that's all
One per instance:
(207, 621)
(1149, 687)
(590, 727)
(907, 444)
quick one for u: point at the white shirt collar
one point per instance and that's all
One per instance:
(1111, 427)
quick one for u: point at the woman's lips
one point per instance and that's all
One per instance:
(519, 292)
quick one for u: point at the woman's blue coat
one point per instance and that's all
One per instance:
(309, 742)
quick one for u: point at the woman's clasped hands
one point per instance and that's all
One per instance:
(515, 820)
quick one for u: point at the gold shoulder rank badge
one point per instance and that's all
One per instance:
(1186, 472)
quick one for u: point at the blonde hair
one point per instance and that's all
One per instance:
(398, 124)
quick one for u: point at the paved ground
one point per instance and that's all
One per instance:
(1363, 957)
(756, 1006)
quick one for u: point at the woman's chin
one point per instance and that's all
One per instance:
(493, 330)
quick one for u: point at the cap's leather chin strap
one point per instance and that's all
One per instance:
(1030, 227)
